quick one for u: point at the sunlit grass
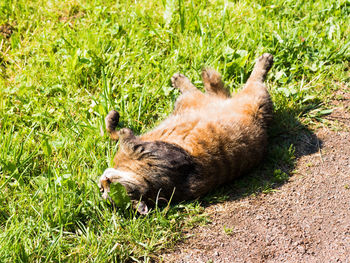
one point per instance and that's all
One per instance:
(67, 63)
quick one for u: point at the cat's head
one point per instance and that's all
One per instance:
(150, 171)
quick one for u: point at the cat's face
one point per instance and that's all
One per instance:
(129, 170)
(148, 170)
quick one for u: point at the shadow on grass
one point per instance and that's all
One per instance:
(288, 141)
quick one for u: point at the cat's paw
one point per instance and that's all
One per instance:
(211, 77)
(112, 120)
(181, 82)
(265, 61)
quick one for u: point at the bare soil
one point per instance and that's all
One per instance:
(307, 219)
(6, 30)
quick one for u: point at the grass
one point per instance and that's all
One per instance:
(65, 64)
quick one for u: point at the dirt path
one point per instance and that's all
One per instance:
(305, 220)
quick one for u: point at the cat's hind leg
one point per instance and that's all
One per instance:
(261, 68)
(255, 84)
(254, 99)
(213, 83)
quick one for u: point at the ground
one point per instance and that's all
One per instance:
(307, 219)
(64, 64)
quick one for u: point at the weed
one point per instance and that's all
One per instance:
(228, 230)
(280, 176)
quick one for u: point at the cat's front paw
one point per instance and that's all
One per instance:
(178, 80)
(211, 78)
(181, 82)
(112, 120)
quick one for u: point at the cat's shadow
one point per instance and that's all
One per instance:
(289, 140)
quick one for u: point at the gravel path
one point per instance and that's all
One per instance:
(306, 220)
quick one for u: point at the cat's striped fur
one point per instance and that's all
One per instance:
(210, 139)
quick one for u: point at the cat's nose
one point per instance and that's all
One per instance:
(105, 181)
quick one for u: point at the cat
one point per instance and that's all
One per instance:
(209, 139)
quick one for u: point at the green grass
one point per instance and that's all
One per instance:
(67, 63)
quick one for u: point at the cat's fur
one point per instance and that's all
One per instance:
(209, 139)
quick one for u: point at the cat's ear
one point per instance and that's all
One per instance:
(126, 135)
(129, 142)
(123, 135)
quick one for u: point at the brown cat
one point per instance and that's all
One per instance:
(209, 139)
